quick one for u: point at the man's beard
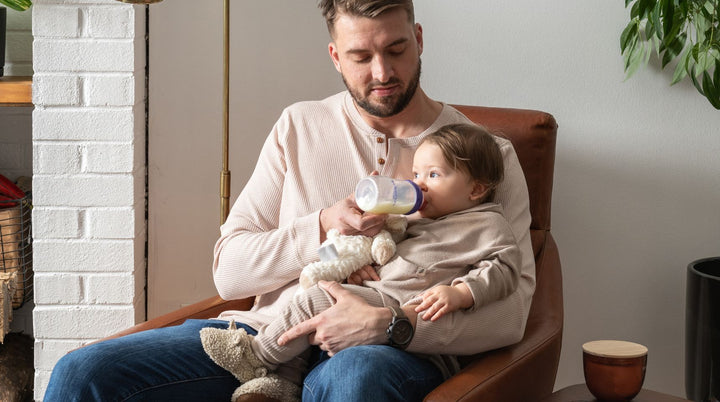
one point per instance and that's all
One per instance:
(390, 106)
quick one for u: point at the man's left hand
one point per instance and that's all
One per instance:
(351, 321)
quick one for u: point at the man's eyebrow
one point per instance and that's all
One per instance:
(391, 44)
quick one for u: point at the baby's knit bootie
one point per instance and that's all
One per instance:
(230, 349)
(270, 388)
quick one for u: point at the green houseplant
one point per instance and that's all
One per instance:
(19, 5)
(683, 31)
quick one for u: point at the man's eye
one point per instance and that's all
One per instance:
(397, 51)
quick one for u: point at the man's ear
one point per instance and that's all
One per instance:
(334, 55)
(479, 190)
(419, 37)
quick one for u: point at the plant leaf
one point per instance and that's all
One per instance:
(629, 35)
(673, 49)
(668, 17)
(18, 5)
(706, 59)
(681, 68)
(711, 92)
(644, 7)
(654, 25)
(695, 82)
(635, 59)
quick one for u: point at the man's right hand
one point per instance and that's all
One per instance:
(348, 219)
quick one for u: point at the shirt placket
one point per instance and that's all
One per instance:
(381, 151)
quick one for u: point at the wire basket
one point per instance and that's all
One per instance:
(16, 246)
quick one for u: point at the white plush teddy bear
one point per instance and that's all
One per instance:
(341, 255)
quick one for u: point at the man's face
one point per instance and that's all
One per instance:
(379, 60)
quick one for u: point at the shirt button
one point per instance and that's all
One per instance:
(381, 161)
(380, 140)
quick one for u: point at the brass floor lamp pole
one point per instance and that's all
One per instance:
(225, 174)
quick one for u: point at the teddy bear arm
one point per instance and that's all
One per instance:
(383, 247)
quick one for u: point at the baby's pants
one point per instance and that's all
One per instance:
(306, 305)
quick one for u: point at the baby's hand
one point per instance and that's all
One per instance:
(366, 273)
(443, 299)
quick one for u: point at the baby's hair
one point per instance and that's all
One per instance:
(471, 149)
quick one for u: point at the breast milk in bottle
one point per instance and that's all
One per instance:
(385, 195)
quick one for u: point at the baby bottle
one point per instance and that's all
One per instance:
(385, 195)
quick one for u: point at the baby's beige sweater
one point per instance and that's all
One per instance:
(315, 154)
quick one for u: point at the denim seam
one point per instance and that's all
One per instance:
(171, 383)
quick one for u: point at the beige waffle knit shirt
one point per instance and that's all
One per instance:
(315, 154)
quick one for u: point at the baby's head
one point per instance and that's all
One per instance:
(457, 167)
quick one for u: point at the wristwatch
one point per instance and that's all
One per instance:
(400, 331)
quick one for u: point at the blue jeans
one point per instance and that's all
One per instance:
(169, 364)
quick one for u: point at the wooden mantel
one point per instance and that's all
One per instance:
(16, 91)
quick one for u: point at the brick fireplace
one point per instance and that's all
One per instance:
(89, 186)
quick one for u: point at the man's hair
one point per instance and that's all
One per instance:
(331, 9)
(471, 149)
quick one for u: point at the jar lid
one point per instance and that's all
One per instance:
(607, 348)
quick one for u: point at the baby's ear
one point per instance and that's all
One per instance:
(479, 190)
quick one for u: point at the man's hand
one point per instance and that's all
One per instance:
(366, 273)
(348, 219)
(349, 322)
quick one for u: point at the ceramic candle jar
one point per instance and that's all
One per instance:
(614, 370)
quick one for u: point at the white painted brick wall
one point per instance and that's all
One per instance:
(56, 90)
(88, 176)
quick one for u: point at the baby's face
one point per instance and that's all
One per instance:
(445, 189)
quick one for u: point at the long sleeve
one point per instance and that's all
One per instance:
(257, 253)
(496, 275)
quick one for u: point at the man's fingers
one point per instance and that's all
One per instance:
(305, 328)
(334, 289)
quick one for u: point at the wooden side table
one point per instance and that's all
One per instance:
(580, 393)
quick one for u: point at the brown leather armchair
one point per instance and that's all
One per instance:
(521, 372)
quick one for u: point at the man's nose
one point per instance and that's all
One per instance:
(382, 69)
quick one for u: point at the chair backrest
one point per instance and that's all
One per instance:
(532, 362)
(533, 134)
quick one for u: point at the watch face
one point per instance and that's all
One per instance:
(402, 332)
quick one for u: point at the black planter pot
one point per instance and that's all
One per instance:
(702, 330)
(3, 25)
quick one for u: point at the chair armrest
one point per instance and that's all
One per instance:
(526, 370)
(208, 308)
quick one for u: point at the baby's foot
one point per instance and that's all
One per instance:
(230, 349)
(272, 387)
